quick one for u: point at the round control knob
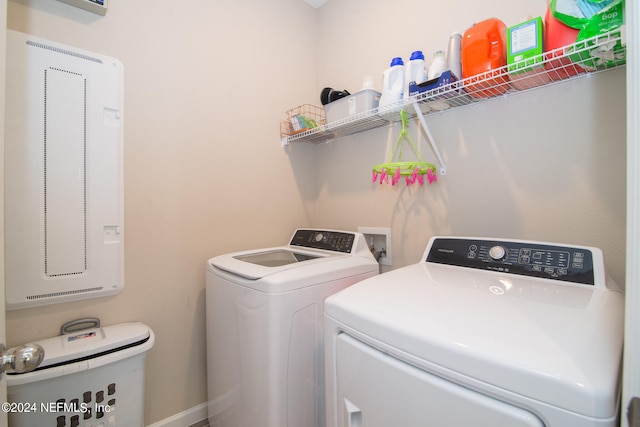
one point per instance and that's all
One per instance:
(319, 237)
(497, 253)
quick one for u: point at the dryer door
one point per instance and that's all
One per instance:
(377, 390)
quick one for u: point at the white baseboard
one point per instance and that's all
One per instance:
(184, 418)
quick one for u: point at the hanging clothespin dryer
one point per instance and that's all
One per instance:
(413, 171)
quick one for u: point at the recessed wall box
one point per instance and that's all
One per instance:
(95, 6)
(379, 241)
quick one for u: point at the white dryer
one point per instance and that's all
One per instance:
(264, 312)
(481, 332)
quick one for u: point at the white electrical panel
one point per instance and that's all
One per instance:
(95, 6)
(64, 212)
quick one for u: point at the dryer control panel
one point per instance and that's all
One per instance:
(565, 263)
(323, 239)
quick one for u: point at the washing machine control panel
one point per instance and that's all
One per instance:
(320, 239)
(569, 264)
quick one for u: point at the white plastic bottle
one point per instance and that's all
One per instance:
(367, 83)
(438, 66)
(415, 72)
(393, 83)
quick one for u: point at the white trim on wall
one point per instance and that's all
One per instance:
(631, 375)
(185, 418)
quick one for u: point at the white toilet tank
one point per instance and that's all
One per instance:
(88, 377)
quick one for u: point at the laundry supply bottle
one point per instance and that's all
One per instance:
(454, 50)
(416, 71)
(367, 83)
(392, 83)
(438, 65)
(484, 54)
(557, 35)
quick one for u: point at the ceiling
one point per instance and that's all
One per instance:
(315, 3)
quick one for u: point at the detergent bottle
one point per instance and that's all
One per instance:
(438, 65)
(393, 83)
(557, 35)
(415, 72)
(484, 54)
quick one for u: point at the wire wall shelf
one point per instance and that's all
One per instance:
(581, 59)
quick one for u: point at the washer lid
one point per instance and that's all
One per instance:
(308, 248)
(550, 341)
(276, 257)
(261, 263)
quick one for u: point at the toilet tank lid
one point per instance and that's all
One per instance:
(96, 342)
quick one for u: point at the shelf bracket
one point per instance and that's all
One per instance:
(432, 142)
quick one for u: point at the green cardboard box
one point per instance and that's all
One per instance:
(524, 46)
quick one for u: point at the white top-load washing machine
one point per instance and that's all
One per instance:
(264, 311)
(482, 333)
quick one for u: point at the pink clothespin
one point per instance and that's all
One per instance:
(413, 178)
(384, 177)
(396, 177)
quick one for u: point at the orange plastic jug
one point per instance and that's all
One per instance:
(484, 59)
(556, 36)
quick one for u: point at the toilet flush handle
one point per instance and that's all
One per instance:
(21, 359)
